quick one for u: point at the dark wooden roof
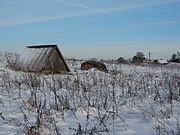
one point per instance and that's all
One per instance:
(41, 46)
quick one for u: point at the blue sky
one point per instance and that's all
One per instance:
(92, 28)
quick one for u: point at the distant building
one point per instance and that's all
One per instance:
(42, 59)
(94, 59)
(161, 61)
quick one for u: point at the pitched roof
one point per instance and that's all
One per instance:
(34, 58)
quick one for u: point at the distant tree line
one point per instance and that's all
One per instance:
(175, 58)
(140, 58)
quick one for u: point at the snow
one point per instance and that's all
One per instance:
(161, 61)
(129, 100)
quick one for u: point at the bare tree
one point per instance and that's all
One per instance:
(139, 57)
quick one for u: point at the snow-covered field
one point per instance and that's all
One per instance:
(129, 100)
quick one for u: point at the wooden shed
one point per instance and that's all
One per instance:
(42, 59)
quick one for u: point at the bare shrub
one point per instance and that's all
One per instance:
(11, 58)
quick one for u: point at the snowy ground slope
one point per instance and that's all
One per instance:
(129, 100)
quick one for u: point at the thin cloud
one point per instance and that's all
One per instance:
(142, 5)
(41, 19)
(90, 11)
(109, 10)
(80, 5)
